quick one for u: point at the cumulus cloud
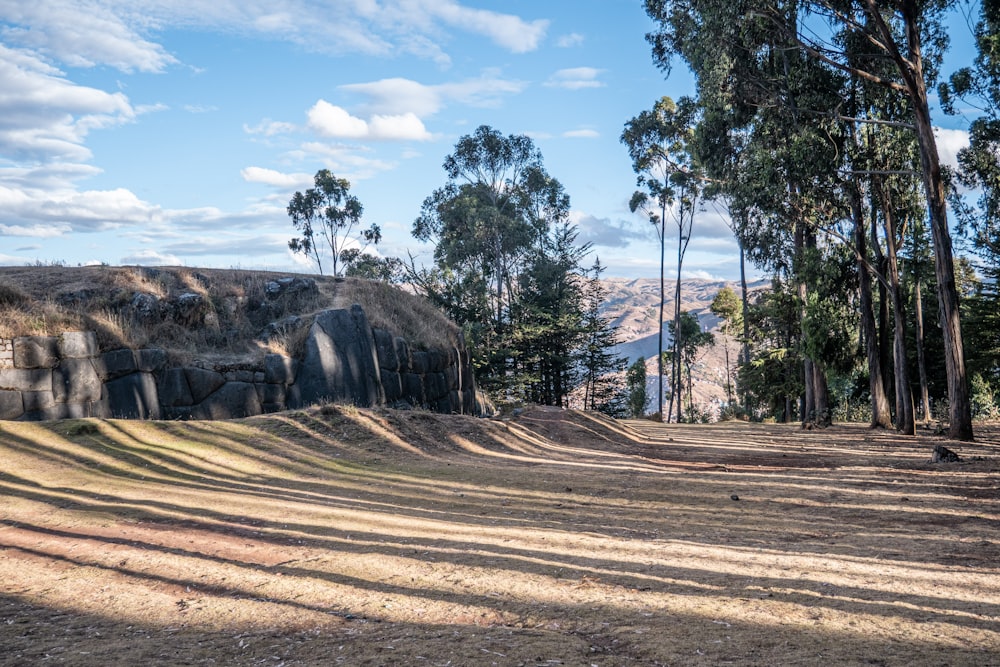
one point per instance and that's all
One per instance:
(604, 232)
(44, 116)
(83, 34)
(149, 257)
(949, 143)
(506, 30)
(576, 78)
(396, 96)
(275, 178)
(329, 120)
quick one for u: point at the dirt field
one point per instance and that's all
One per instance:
(342, 536)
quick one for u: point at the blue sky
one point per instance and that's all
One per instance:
(175, 131)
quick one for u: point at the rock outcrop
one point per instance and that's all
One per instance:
(345, 360)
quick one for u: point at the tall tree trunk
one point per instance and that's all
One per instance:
(746, 324)
(821, 394)
(659, 332)
(911, 71)
(678, 380)
(881, 417)
(925, 401)
(960, 404)
(904, 394)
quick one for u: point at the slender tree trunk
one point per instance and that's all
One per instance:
(659, 332)
(745, 297)
(821, 394)
(881, 416)
(960, 404)
(911, 72)
(925, 401)
(678, 380)
(904, 394)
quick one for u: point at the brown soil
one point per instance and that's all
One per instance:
(342, 536)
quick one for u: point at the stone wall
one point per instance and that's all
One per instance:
(345, 360)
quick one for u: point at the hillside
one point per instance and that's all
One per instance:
(214, 313)
(379, 537)
(633, 305)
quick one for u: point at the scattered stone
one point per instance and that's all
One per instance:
(944, 455)
(734, 497)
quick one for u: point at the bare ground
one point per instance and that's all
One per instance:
(344, 536)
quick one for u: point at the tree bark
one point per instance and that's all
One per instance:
(911, 72)
(925, 401)
(904, 394)
(881, 416)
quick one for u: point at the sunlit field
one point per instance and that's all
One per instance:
(356, 537)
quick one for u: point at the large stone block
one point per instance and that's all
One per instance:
(11, 404)
(270, 393)
(77, 344)
(25, 379)
(403, 354)
(36, 351)
(151, 360)
(202, 382)
(392, 384)
(115, 364)
(279, 369)
(340, 361)
(133, 397)
(231, 401)
(419, 363)
(385, 348)
(37, 400)
(413, 388)
(435, 387)
(173, 388)
(76, 381)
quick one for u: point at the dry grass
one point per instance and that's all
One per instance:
(357, 537)
(235, 308)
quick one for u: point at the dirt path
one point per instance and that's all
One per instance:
(342, 536)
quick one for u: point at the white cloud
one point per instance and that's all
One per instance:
(605, 233)
(334, 122)
(576, 78)
(399, 96)
(83, 34)
(275, 178)
(44, 116)
(37, 230)
(269, 128)
(148, 257)
(506, 30)
(570, 40)
(949, 143)
(582, 134)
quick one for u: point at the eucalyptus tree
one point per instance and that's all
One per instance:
(978, 88)
(506, 265)
(660, 144)
(326, 215)
(729, 308)
(727, 42)
(777, 161)
(910, 35)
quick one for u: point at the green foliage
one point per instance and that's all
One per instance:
(635, 381)
(326, 216)
(984, 400)
(507, 267)
(601, 369)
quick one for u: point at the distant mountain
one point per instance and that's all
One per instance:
(633, 306)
